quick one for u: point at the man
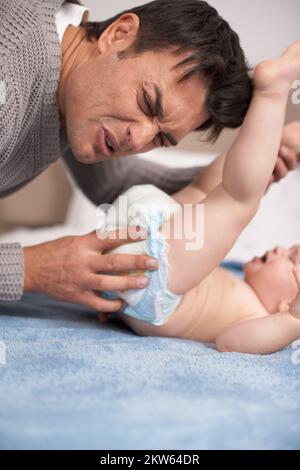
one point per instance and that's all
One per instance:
(143, 79)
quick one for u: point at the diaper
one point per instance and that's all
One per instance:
(148, 207)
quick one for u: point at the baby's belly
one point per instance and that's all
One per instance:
(185, 322)
(204, 311)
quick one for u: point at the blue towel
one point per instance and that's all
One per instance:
(235, 267)
(72, 383)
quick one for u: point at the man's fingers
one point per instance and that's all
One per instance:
(119, 263)
(295, 305)
(101, 241)
(289, 157)
(272, 180)
(287, 161)
(119, 237)
(103, 317)
(291, 137)
(280, 170)
(99, 282)
(95, 302)
(296, 272)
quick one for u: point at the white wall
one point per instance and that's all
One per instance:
(265, 27)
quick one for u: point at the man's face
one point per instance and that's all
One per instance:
(113, 101)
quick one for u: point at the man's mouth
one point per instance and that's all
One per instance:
(111, 140)
(107, 142)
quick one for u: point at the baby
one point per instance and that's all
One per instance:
(190, 296)
(254, 315)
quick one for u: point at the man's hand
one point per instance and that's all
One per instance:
(69, 269)
(289, 154)
(295, 305)
(211, 176)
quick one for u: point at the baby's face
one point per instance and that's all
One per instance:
(271, 277)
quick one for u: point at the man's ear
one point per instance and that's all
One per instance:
(283, 306)
(120, 34)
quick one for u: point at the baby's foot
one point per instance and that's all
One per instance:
(276, 76)
(295, 305)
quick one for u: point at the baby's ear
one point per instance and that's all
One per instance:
(283, 306)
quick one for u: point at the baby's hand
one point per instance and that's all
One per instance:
(295, 305)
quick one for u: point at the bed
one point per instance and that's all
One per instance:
(69, 382)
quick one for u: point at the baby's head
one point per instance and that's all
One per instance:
(272, 279)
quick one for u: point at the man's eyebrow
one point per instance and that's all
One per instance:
(160, 113)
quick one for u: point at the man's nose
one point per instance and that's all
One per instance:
(140, 136)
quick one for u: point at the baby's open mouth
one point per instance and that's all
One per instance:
(260, 260)
(264, 258)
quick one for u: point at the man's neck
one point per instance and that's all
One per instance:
(76, 49)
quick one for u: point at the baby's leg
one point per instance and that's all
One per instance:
(178, 324)
(260, 335)
(143, 328)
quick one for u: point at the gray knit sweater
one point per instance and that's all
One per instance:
(31, 136)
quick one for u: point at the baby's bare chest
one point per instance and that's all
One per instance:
(219, 301)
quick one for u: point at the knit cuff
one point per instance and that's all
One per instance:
(11, 271)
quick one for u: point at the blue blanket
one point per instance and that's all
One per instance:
(71, 383)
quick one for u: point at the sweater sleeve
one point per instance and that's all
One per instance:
(11, 271)
(103, 182)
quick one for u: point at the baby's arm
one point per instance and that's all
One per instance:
(209, 178)
(211, 175)
(247, 170)
(260, 335)
(264, 334)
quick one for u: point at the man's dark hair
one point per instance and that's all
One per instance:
(215, 53)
